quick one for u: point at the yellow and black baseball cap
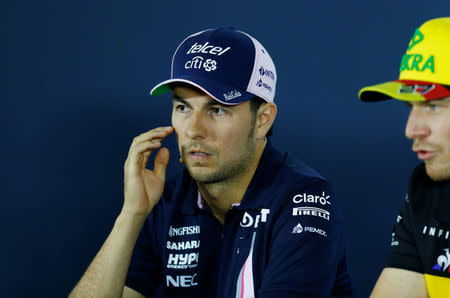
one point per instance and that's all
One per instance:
(424, 70)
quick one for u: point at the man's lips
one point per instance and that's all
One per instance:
(199, 155)
(424, 154)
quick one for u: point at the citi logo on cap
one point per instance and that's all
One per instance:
(198, 63)
(207, 49)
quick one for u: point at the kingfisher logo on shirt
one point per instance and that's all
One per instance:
(443, 262)
(189, 230)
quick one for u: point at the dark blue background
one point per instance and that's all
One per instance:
(77, 77)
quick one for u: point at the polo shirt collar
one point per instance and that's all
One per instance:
(268, 167)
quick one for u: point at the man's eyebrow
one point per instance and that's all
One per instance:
(213, 102)
(176, 97)
(210, 103)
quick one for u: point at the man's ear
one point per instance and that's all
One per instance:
(264, 119)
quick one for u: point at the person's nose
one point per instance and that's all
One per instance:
(197, 126)
(416, 127)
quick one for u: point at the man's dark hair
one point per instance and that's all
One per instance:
(255, 103)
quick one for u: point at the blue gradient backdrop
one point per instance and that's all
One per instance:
(76, 81)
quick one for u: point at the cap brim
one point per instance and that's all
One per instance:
(219, 92)
(406, 90)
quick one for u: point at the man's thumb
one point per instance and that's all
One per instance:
(161, 161)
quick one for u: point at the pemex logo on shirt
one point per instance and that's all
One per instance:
(443, 262)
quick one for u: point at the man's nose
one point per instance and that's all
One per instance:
(416, 127)
(196, 126)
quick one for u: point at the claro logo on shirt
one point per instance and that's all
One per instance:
(183, 281)
(248, 220)
(306, 198)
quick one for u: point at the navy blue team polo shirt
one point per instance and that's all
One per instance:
(285, 239)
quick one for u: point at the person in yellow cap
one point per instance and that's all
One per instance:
(419, 262)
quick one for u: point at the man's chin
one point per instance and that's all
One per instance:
(437, 173)
(202, 175)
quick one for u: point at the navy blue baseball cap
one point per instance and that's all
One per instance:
(229, 65)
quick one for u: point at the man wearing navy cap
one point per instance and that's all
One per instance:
(243, 219)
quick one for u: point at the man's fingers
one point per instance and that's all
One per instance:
(145, 156)
(138, 156)
(157, 133)
(161, 161)
(142, 147)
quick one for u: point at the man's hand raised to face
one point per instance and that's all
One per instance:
(142, 187)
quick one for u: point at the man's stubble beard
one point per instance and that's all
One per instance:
(232, 168)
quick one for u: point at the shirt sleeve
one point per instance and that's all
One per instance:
(145, 270)
(307, 251)
(403, 246)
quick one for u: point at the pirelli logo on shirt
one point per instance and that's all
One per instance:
(311, 211)
(309, 199)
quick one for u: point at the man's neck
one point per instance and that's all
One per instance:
(220, 196)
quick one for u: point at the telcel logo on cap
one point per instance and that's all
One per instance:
(207, 49)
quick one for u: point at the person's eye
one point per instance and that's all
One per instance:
(432, 108)
(181, 108)
(218, 111)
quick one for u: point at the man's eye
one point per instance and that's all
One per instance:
(432, 108)
(181, 108)
(218, 111)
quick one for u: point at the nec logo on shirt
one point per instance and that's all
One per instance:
(183, 281)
